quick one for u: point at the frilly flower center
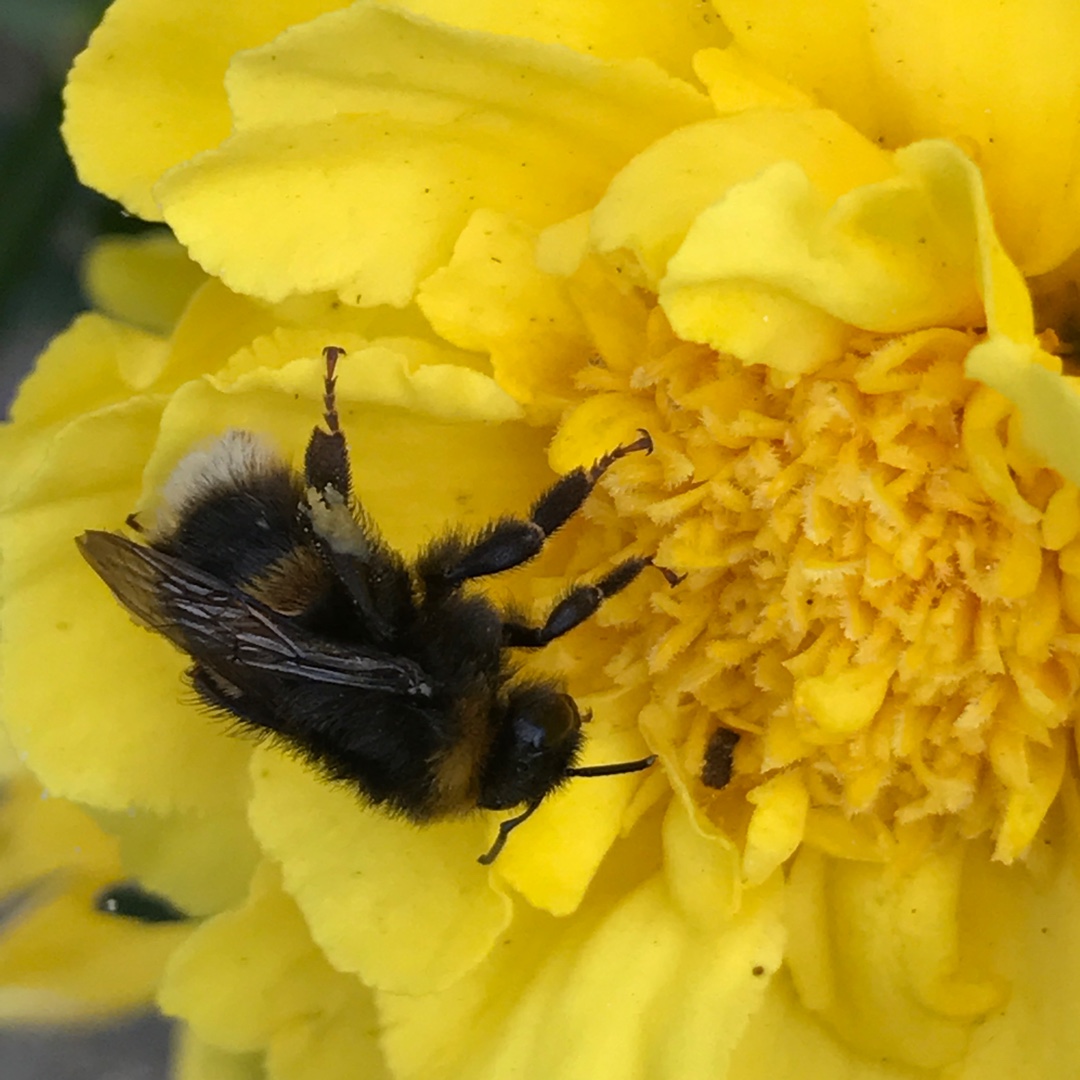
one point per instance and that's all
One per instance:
(878, 631)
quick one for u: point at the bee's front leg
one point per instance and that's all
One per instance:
(513, 541)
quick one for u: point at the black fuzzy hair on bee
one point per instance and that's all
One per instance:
(305, 625)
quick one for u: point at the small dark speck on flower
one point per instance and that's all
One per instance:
(758, 970)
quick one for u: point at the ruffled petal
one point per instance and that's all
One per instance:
(784, 1040)
(148, 92)
(144, 281)
(112, 740)
(1011, 361)
(677, 984)
(406, 908)
(699, 165)
(875, 950)
(667, 33)
(341, 1045)
(241, 997)
(60, 958)
(1020, 923)
(492, 297)
(891, 256)
(902, 71)
(198, 1060)
(202, 862)
(448, 121)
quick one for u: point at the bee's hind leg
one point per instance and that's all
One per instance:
(512, 541)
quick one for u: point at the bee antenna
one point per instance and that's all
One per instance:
(614, 770)
(505, 829)
(332, 353)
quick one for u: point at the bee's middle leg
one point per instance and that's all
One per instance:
(575, 607)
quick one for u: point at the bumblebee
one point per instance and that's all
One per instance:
(305, 626)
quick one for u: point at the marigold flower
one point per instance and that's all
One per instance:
(803, 256)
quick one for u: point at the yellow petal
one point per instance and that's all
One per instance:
(197, 1060)
(145, 280)
(785, 1041)
(202, 862)
(329, 157)
(148, 92)
(875, 951)
(112, 740)
(665, 33)
(776, 825)
(676, 992)
(40, 834)
(698, 165)
(342, 1045)
(492, 297)
(823, 50)
(735, 83)
(247, 973)
(553, 857)
(889, 256)
(407, 908)
(1019, 922)
(399, 372)
(95, 362)
(902, 71)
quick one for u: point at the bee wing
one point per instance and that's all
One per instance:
(212, 621)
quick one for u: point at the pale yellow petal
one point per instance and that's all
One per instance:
(144, 280)
(1020, 922)
(111, 740)
(197, 1060)
(366, 118)
(407, 908)
(875, 952)
(698, 165)
(676, 991)
(244, 975)
(978, 74)
(492, 297)
(202, 862)
(148, 92)
(890, 256)
(667, 33)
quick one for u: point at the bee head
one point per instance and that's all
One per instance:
(538, 738)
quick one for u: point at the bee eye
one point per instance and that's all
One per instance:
(539, 736)
(545, 722)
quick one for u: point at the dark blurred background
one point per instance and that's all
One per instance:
(47, 221)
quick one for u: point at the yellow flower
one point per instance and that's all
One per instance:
(801, 252)
(62, 959)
